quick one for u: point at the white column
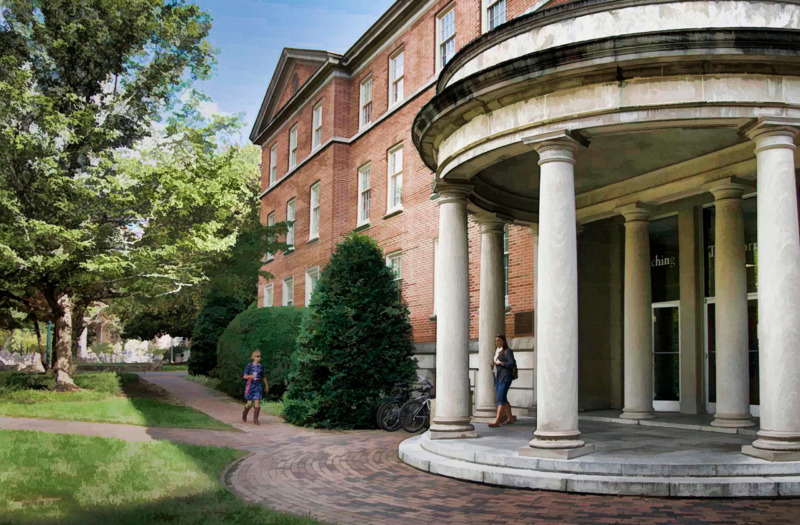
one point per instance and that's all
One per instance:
(491, 315)
(557, 434)
(452, 416)
(730, 290)
(638, 327)
(778, 293)
(534, 230)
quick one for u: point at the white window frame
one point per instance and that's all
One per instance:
(364, 104)
(316, 119)
(270, 222)
(364, 193)
(312, 276)
(313, 211)
(287, 297)
(440, 41)
(291, 208)
(273, 164)
(396, 81)
(487, 5)
(394, 180)
(398, 269)
(293, 147)
(268, 295)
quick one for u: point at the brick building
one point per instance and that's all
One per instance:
(338, 156)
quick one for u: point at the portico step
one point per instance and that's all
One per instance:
(471, 462)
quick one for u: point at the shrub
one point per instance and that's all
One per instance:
(354, 344)
(273, 331)
(16, 381)
(103, 382)
(217, 313)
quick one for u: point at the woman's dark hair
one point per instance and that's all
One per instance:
(505, 343)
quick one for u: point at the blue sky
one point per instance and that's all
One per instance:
(251, 34)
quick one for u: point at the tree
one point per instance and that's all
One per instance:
(91, 207)
(355, 344)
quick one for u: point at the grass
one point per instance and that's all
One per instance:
(175, 368)
(47, 478)
(109, 397)
(273, 408)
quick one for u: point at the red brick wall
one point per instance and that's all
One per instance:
(414, 229)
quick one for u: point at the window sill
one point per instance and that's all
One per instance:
(508, 310)
(312, 241)
(393, 213)
(289, 250)
(361, 227)
(433, 317)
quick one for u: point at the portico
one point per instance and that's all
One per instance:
(660, 165)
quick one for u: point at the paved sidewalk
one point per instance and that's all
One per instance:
(356, 477)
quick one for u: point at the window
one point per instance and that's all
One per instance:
(446, 37)
(396, 73)
(316, 136)
(395, 193)
(365, 116)
(496, 14)
(295, 83)
(312, 276)
(313, 228)
(267, 298)
(363, 194)
(273, 164)
(270, 222)
(395, 263)
(505, 262)
(293, 147)
(290, 221)
(288, 291)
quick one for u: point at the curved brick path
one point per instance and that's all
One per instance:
(355, 477)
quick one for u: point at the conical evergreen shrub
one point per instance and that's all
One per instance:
(354, 345)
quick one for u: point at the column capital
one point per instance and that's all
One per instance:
(556, 146)
(637, 211)
(490, 223)
(452, 192)
(729, 188)
(772, 132)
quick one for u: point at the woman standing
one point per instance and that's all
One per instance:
(253, 377)
(503, 365)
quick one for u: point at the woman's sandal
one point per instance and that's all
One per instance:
(495, 425)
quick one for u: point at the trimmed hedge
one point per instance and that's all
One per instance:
(217, 313)
(273, 331)
(355, 343)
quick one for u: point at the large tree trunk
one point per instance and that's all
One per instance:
(63, 345)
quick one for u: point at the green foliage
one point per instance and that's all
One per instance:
(355, 344)
(217, 313)
(273, 331)
(16, 381)
(110, 383)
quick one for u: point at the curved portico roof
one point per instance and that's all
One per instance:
(695, 71)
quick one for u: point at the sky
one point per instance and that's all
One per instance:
(250, 35)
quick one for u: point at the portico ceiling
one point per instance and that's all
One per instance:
(609, 158)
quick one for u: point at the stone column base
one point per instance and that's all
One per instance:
(452, 434)
(556, 453)
(484, 415)
(637, 413)
(733, 421)
(771, 455)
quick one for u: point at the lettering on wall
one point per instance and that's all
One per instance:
(663, 261)
(749, 247)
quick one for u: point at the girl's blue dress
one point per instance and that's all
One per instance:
(254, 388)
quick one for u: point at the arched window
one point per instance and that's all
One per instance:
(295, 83)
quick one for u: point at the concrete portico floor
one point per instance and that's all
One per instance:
(669, 459)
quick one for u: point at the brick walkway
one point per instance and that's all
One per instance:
(355, 477)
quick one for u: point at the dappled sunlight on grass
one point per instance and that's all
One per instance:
(79, 479)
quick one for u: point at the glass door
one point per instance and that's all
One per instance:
(666, 357)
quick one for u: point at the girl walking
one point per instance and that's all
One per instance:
(503, 365)
(254, 376)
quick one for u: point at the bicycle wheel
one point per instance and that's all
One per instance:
(381, 409)
(390, 419)
(413, 416)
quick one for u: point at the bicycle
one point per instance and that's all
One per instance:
(416, 413)
(388, 414)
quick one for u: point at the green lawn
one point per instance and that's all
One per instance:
(47, 478)
(273, 408)
(104, 401)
